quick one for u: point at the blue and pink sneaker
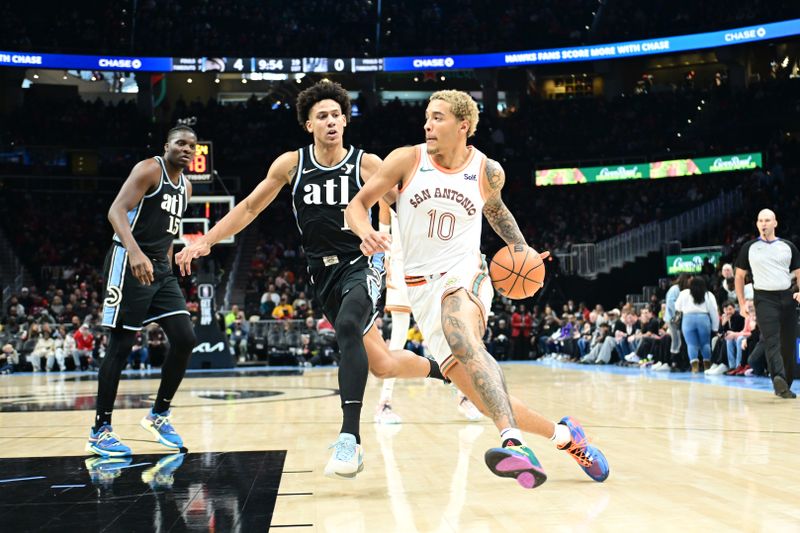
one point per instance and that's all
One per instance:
(589, 458)
(517, 461)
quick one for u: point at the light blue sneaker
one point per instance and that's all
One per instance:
(347, 458)
(160, 427)
(160, 475)
(589, 458)
(105, 443)
(104, 470)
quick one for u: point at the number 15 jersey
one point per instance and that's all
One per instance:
(440, 213)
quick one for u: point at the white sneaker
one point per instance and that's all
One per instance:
(712, 369)
(721, 369)
(657, 366)
(632, 357)
(347, 458)
(385, 415)
(468, 409)
(663, 368)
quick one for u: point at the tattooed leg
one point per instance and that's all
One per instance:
(463, 329)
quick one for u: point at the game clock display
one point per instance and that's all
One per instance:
(201, 169)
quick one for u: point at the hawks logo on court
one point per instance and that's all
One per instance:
(113, 298)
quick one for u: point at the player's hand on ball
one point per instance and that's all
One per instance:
(185, 257)
(141, 267)
(375, 242)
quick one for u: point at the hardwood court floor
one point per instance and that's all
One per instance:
(690, 455)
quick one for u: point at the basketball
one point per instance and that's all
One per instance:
(517, 271)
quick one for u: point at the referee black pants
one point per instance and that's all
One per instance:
(776, 312)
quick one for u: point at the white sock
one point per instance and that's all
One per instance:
(387, 390)
(561, 435)
(400, 324)
(511, 433)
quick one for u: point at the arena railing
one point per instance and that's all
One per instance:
(588, 260)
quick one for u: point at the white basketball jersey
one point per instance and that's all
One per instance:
(440, 212)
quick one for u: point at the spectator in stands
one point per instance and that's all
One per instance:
(9, 359)
(230, 318)
(726, 291)
(627, 333)
(672, 319)
(237, 339)
(649, 336)
(699, 319)
(414, 340)
(731, 326)
(84, 347)
(284, 310)
(602, 346)
(139, 357)
(501, 339)
(269, 300)
(45, 349)
(65, 347)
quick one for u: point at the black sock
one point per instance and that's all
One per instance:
(436, 372)
(350, 422)
(179, 332)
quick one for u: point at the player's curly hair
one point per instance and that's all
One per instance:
(322, 90)
(462, 105)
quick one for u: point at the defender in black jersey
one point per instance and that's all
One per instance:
(141, 287)
(324, 177)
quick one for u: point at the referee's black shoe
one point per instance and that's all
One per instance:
(782, 388)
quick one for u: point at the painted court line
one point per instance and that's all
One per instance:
(11, 480)
(67, 486)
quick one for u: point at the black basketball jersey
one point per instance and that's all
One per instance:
(319, 197)
(156, 220)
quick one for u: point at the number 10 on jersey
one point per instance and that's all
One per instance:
(442, 225)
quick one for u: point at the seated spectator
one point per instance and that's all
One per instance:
(65, 347)
(627, 334)
(238, 336)
(602, 346)
(9, 359)
(731, 325)
(84, 347)
(139, 357)
(269, 300)
(45, 349)
(284, 310)
(414, 340)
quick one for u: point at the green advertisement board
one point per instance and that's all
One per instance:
(657, 169)
(691, 263)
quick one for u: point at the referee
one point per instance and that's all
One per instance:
(773, 262)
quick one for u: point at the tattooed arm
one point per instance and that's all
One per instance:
(495, 211)
(282, 171)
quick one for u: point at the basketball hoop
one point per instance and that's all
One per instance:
(191, 238)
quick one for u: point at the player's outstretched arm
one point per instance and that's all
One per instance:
(495, 211)
(280, 173)
(393, 170)
(144, 177)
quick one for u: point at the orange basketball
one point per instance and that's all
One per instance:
(517, 271)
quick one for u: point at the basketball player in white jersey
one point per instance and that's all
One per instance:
(398, 305)
(444, 186)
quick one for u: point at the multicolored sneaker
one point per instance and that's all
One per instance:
(347, 458)
(589, 458)
(468, 409)
(518, 462)
(105, 443)
(104, 470)
(160, 475)
(161, 428)
(385, 415)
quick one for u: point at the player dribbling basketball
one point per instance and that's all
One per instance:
(445, 189)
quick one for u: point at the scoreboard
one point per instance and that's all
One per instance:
(201, 169)
(276, 65)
